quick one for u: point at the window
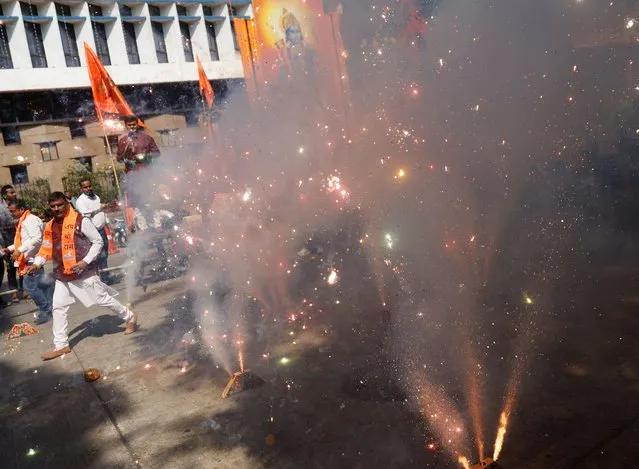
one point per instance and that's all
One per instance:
(167, 138)
(69, 44)
(49, 151)
(62, 10)
(125, 10)
(5, 52)
(36, 45)
(111, 144)
(34, 36)
(77, 130)
(181, 10)
(207, 11)
(95, 10)
(11, 135)
(186, 41)
(160, 43)
(19, 174)
(87, 162)
(28, 9)
(233, 13)
(210, 33)
(100, 36)
(154, 11)
(130, 43)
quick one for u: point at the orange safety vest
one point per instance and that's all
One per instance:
(67, 241)
(22, 260)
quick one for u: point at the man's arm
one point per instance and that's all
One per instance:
(34, 227)
(151, 146)
(89, 230)
(123, 146)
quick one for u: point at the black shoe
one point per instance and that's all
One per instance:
(41, 320)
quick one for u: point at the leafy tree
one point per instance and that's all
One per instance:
(35, 195)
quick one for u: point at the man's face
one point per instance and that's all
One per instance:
(131, 126)
(10, 194)
(87, 187)
(16, 212)
(59, 208)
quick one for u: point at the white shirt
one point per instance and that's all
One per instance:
(31, 232)
(91, 209)
(92, 235)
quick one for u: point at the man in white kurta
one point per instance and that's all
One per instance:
(82, 282)
(90, 206)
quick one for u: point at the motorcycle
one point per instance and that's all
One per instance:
(119, 233)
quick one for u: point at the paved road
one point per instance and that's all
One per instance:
(158, 403)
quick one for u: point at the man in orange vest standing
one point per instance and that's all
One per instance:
(74, 244)
(25, 246)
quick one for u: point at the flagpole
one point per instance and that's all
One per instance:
(110, 153)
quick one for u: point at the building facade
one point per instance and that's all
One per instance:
(47, 117)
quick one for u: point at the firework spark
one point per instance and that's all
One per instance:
(501, 434)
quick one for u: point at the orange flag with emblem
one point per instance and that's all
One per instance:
(206, 90)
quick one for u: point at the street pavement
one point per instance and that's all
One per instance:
(158, 402)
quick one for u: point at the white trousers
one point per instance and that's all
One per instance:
(90, 291)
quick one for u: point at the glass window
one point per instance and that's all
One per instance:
(210, 33)
(49, 151)
(207, 11)
(77, 130)
(186, 41)
(62, 10)
(160, 43)
(235, 43)
(28, 9)
(69, 44)
(168, 138)
(131, 43)
(19, 174)
(11, 135)
(5, 52)
(87, 162)
(95, 10)
(154, 10)
(111, 144)
(181, 10)
(125, 10)
(36, 45)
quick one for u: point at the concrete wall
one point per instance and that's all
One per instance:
(68, 149)
(57, 75)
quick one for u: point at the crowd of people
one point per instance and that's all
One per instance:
(72, 235)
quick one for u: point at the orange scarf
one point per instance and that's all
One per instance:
(67, 241)
(22, 260)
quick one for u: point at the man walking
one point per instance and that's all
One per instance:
(8, 229)
(26, 245)
(89, 206)
(74, 244)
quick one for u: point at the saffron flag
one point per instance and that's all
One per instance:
(107, 98)
(206, 90)
(249, 51)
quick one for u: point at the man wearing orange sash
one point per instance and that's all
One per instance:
(25, 246)
(73, 243)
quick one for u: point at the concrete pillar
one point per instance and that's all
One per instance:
(51, 37)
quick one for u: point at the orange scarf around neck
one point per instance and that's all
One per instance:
(67, 241)
(22, 260)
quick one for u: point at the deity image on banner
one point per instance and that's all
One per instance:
(296, 53)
